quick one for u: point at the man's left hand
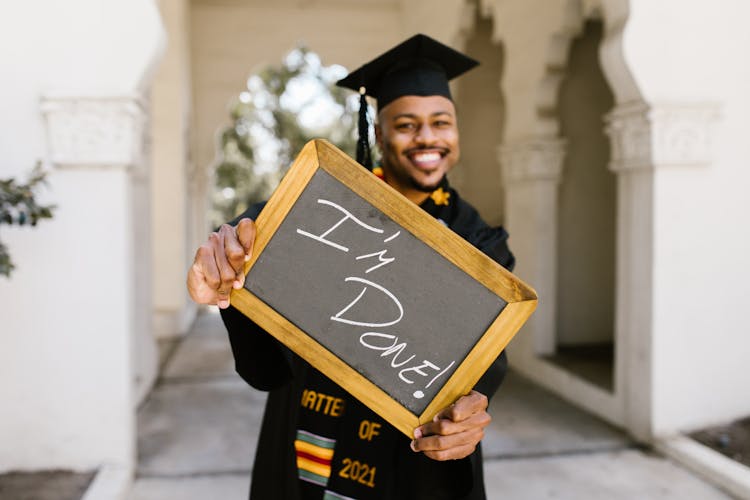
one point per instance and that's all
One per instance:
(454, 432)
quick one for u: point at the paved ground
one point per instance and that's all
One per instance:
(197, 433)
(46, 485)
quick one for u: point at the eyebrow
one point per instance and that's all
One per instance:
(412, 115)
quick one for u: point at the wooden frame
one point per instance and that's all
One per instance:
(521, 299)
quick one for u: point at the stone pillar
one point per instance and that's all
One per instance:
(645, 139)
(532, 171)
(629, 133)
(103, 273)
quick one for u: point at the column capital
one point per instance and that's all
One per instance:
(535, 159)
(102, 131)
(645, 137)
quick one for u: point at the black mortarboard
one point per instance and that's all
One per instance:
(419, 66)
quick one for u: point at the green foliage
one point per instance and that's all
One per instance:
(19, 206)
(283, 108)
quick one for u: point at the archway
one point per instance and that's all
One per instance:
(481, 112)
(586, 218)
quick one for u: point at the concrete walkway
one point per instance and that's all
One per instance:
(198, 429)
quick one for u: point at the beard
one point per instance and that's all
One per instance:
(425, 188)
(399, 173)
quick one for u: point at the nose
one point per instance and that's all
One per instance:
(425, 135)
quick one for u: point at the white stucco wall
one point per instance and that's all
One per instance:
(701, 241)
(171, 167)
(66, 354)
(74, 341)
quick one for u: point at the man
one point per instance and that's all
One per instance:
(316, 440)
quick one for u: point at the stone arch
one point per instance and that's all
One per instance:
(584, 326)
(557, 55)
(532, 156)
(615, 14)
(479, 95)
(569, 24)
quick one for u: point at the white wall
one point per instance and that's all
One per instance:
(65, 356)
(701, 241)
(75, 334)
(171, 112)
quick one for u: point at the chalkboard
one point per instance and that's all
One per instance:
(374, 292)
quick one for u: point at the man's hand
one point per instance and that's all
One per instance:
(456, 431)
(218, 264)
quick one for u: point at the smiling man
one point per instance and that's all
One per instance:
(316, 441)
(418, 137)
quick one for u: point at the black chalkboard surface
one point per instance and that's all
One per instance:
(375, 293)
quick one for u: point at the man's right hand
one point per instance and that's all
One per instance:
(218, 264)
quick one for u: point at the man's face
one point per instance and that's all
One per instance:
(418, 137)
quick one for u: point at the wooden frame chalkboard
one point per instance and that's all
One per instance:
(453, 304)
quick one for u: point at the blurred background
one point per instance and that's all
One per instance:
(608, 136)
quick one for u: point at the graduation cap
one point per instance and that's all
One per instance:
(419, 66)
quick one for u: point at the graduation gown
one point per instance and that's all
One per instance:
(399, 472)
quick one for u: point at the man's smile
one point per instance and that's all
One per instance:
(426, 159)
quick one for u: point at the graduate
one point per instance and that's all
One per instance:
(317, 441)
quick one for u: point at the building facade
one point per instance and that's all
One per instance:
(607, 135)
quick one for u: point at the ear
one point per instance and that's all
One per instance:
(378, 136)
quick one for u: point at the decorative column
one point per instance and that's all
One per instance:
(645, 139)
(532, 171)
(100, 278)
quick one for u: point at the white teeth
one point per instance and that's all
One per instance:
(427, 157)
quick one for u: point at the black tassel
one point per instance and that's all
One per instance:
(363, 129)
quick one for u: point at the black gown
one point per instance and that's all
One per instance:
(386, 467)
